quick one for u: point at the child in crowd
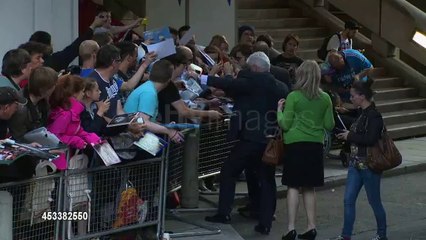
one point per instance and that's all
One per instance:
(64, 120)
(92, 119)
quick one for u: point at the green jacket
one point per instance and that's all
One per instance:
(304, 120)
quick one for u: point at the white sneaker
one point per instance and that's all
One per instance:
(337, 238)
(377, 237)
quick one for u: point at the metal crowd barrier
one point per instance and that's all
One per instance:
(110, 200)
(117, 198)
(214, 147)
(175, 167)
(26, 206)
(87, 203)
(202, 156)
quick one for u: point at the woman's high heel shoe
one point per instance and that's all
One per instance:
(309, 235)
(290, 235)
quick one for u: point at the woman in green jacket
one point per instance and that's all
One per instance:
(307, 112)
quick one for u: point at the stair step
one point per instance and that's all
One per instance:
(394, 93)
(304, 43)
(307, 54)
(405, 116)
(378, 72)
(400, 104)
(244, 4)
(311, 43)
(268, 13)
(312, 32)
(387, 82)
(277, 22)
(405, 130)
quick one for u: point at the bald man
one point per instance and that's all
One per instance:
(347, 66)
(87, 51)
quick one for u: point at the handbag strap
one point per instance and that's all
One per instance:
(278, 131)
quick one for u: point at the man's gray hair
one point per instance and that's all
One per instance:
(260, 60)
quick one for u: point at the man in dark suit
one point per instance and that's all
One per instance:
(255, 93)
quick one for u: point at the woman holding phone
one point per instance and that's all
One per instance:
(364, 132)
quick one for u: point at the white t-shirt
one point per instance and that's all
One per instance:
(335, 43)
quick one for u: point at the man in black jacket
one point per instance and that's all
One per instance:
(255, 93)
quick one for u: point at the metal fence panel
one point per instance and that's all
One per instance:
(34, 202)
(121, 197)
(214, 147)
(175, 167)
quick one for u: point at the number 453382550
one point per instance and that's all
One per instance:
(65, 216)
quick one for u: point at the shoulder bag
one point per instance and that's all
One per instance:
(274, 151)
(384, 155)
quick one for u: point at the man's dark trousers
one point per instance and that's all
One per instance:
(248, 155)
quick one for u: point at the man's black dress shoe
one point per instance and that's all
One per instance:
(248, 213)
(262, 229)
(226, 219)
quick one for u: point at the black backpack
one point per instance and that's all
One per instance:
(322, 52)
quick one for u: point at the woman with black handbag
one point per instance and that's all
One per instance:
(364, 133)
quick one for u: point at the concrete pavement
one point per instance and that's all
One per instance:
(404, 198)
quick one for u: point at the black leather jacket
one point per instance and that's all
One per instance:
(365, 132)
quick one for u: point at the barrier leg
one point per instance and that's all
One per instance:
(6, 219)
(190, 193)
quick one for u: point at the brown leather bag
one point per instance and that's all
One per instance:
(274, 151)
(384, 155)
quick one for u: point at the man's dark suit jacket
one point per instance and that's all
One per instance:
(282, 75)
(255, 101)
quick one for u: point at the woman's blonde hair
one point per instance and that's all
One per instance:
(308, 78)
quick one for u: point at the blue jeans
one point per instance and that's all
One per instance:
(371, 181)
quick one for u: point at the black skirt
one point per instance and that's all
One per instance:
(303, 165)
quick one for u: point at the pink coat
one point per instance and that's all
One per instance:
(65, 124)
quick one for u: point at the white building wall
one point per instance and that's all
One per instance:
(20, 18)
(211, 17)
(206, 17)
(165, 13)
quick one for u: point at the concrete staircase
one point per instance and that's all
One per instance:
(403, 110)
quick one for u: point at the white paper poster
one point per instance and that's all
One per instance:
(163, 49)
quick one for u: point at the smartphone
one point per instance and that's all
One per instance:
(140, 120)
